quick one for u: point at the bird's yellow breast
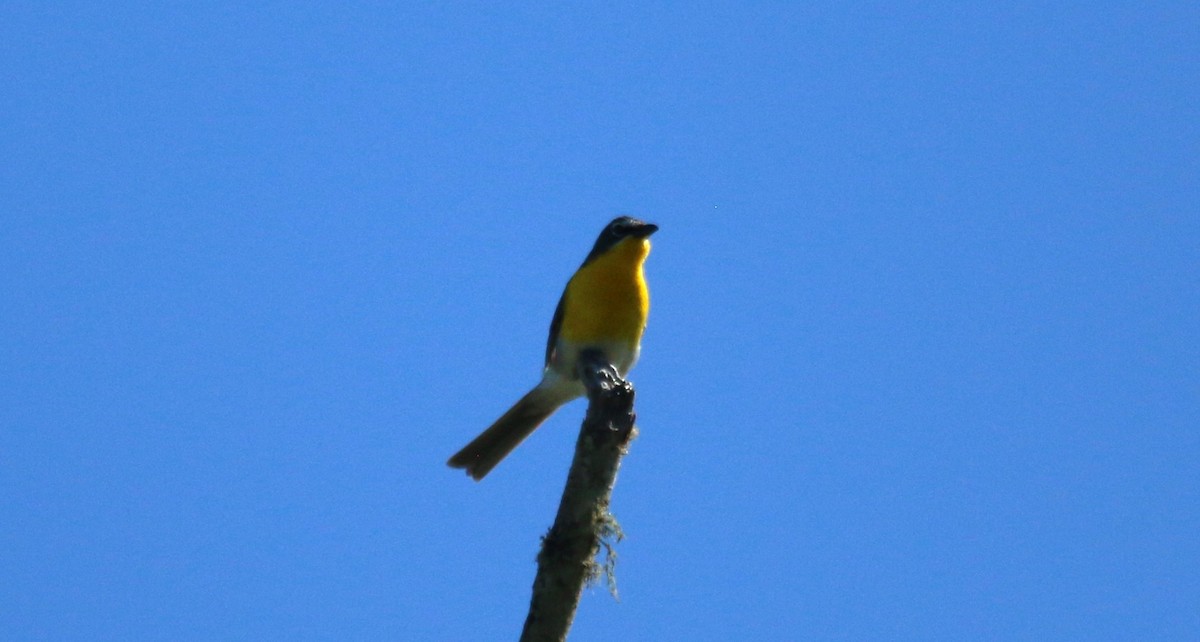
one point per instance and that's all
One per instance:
(607, 299)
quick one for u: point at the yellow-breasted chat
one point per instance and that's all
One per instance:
(603, 308)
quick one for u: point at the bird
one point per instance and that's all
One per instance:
(603, 308)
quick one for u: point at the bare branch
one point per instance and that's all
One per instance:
(567, 560)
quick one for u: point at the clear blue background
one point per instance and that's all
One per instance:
(923, 361)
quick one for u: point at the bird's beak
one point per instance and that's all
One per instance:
(645, 229)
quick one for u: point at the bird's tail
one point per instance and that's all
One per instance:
(492, 445)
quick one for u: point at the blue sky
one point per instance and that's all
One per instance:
(923, 360)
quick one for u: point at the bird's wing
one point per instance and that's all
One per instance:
(555, 326)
